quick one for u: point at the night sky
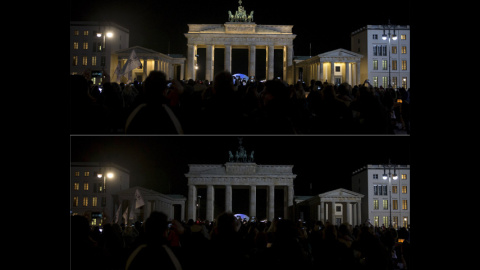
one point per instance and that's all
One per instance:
(160, 162)
(160, 25)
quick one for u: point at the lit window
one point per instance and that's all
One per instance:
(75, 32)
(77, 173)
(404, 64)
(404, 205)
(85, 186)
(404, 49)
(76, 186)
(394, 81)
(75, 201)
(375, 204)
(85, 45)
(384, 64)
(395, 222)
(385, 81)
(404, 177)
(94, 201)
(375, 64)
(394, 204)
(94, 60)
(86, 174)
(394, 189)
(84, 62)
(375, 80)
(85, 33)
(385, 221)
(403, 37)
(75, 45)
(404, 189)
(394, 64)
(375, 221)
(394, 49)
(405, 222)
(85, 201)
(404, 84)
(75, 60)
(385, 204)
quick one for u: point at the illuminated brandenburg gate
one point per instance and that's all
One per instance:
(240, 32)
(240, 172)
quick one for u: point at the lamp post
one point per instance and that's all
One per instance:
(105, 176)
(104, 46)
(389, 176)
(384, 37)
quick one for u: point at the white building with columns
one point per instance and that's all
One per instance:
(337, 66)
(239, 33)
(387, 199)
(337, 206)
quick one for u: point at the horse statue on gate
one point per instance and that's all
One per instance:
(231, 18)
(250, 17)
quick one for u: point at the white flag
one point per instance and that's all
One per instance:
(117, 214)
(125, 215)
(132, 63)
(138, 199)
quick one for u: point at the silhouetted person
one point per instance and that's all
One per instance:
(154, 116)
(155, 253)
(85, 253)
(86, 112)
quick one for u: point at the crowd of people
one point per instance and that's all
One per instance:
(229, 243)
(159, 106)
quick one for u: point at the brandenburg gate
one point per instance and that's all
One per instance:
(240, 32)
(240, 172)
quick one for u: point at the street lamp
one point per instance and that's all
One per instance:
(384, 37)
(105, 176)
(389, 176)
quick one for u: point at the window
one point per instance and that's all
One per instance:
(86, 174)
(404, 64)
(77, 173)
(102, 61)
(85, 186)
(76, 186)
(375, 50)
(404, 189)
(384, 190)
(403, 37)
(94, 201)
(375, 190)
(404, 177)
(404, 82)
(375, 81)
(384, 50)
(394, 189)
(375, 176)
(395, 222)
(385, 204)
(94, 60)
(85, 201)
(375, 204)
(385, 81)
(394, 49)
(385, 221)
(404, 49)
(395, 204)
(84, 62)
(75, 63)
(85, 45)
(337, 68)
(374, 36)
(394, 64)
(405, 222)
(375, 64)
(75, 32)
(404, 205)
(75, 201)
(75, 45)
(385, 64)
(394, 82)
(375, 221)
(85, 33)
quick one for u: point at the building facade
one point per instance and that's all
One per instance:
(337, 206)
(337, 66)
(93, 190)
(386, 201)
(172, 65)
(386, 61)
(92, 45)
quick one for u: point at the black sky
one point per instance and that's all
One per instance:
(160, 25)
(160, 162)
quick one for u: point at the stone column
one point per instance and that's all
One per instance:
(357, 67)
(253, 201)
(270, 54)
(320, 70)
(182, 73)
(271, 202)
(210, 62)
(347, 73)
(192, 197)
(210, 200)
(228, 198)
(228, 58)
(285, 63)
(349, 213)
(332, 75)
(192, 51)
(359, 212)
(251, 61)
(321, 215)
(290, 63)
